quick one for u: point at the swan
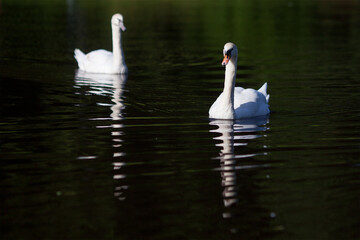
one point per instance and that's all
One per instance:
(237, 102)
(103, 61)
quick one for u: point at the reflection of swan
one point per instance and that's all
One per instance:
(231, 131)
(227, 160)
(102, 61)
(102, 84)
(113, 85)
(237, 103)
(105, 84)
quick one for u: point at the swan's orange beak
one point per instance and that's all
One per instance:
(225, 60)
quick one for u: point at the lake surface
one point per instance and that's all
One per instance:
(135, 157)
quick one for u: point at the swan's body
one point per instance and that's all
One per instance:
(237, 102)
(248, 103)
(103, 61)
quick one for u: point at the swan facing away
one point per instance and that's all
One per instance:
(103, 61)
(237, 102)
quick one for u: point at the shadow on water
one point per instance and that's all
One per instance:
(112, 85)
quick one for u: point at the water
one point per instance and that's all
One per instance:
(113, 157)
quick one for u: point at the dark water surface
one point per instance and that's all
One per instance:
(112, 157)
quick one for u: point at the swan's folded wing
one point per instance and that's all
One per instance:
(242, 96)
(250, 103)
(100, 56)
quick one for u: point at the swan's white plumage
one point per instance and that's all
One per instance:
(243, 103)
(247, 103)
(98, 61)
(103, 61)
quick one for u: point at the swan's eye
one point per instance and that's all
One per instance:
(228, 52)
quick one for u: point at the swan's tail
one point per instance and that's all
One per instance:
(80, 57)
(263, 91)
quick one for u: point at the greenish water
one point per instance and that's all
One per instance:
(112, 157)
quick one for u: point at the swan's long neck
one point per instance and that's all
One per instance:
(118, 52)
(229, 84)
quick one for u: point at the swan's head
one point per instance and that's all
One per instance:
(230, 51)
(117, 20)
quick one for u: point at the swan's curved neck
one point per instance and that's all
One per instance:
(229, 84)
(118, 52)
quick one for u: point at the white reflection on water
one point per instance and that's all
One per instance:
(235, 134)
(112, 85)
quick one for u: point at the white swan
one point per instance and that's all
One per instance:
(102, 61)
(237, 102)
